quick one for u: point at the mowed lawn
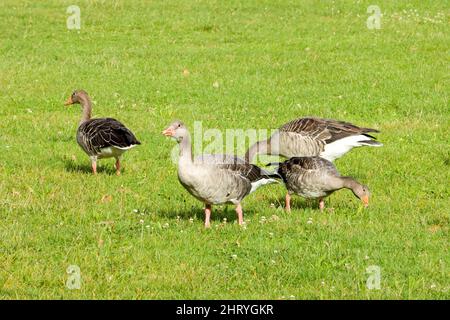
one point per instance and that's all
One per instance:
(229, 64)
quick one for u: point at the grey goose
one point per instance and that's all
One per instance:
(311, 136)
(215, 179)
(101, 137)
(316, 178)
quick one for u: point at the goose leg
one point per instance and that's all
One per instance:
(94, 166)
(207, 215)
(321, 204)
(288, 202)
(240, 214)
(117, 165)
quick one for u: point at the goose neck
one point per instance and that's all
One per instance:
(86, 106)
(186, 149)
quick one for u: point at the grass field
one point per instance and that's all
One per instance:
(251, 64)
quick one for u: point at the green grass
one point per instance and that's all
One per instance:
(273, 62)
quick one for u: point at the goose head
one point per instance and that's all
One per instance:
(362, 192)
(176, 130)
(78, 96)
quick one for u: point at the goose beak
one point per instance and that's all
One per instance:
(365, 201)
(68, 101)
(169, 132)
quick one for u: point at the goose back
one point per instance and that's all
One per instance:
(96, 135)
(327, 138)
(310, 177)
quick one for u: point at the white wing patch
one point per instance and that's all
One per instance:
(340, 147)
(261, 182)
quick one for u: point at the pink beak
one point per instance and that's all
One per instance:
(169, 132)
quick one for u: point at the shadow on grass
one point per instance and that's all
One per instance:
(297, 203)
(197, 213)
(71, 166)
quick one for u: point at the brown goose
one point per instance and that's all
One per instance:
(307, 137)
(102, 137)
(316, 178)
(215, 179)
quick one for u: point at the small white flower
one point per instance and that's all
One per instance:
(165, 225)
(272, 261)
(366, 258)
(234, 256)
(135, 210)
(191, 220)
(141, 221)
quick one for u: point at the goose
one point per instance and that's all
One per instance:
(306, 137)
(316, 178)
(101, 137)
(215, 179)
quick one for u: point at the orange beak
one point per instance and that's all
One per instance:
(68, 101)
(169, 132)
(365, 201)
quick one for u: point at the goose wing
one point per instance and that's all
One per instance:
(247, 171)
(299, 166)
(106, 132)
(327, 130)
